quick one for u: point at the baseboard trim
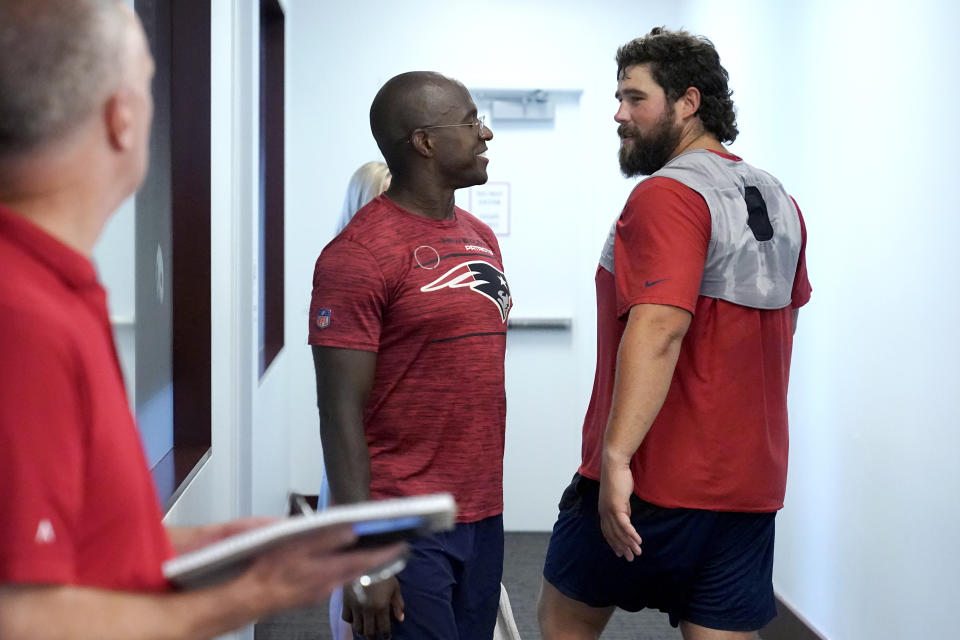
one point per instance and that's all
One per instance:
(789, 625)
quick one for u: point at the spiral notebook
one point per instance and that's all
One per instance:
(375, 523)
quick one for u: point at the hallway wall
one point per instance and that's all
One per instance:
(850, 105)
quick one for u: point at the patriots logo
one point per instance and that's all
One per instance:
(482, 277)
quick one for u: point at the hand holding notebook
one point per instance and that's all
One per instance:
(376, 523)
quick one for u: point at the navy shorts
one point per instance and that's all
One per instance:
(451, 584)
(711, 568)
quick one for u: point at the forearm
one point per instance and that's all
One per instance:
(80, 613)
(344, 380)
(645, 363)
(346, 458)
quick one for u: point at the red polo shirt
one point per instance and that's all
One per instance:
(77, 504)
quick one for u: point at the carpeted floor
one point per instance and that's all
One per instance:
(523, 563)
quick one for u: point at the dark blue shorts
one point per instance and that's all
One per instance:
(711, 568)
(451, 584)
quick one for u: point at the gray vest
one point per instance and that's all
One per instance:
(754, 230)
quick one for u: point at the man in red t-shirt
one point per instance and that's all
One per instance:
(684, 453)
(408, 326)
(81, 538)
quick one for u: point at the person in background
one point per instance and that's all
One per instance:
(684, 455)
(82, 543)
(367, 182)
(408, 323)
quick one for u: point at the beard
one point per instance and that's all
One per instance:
(646, 154)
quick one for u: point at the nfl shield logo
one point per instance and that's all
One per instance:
(323, 318)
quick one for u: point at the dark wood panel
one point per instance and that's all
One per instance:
(173, 213)
(153, 307)
(190, 172)
(272, 181)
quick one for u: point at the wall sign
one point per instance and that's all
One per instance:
(491, 203)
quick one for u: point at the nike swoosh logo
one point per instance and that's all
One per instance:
(649, 283)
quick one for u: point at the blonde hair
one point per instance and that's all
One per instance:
(367, 182)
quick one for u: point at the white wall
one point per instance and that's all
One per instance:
(114, 259)
(853, 109)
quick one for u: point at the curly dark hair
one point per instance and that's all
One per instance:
(679, 60)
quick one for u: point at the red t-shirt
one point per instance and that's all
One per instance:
(430, 298)
(78, 504)
(720, 440)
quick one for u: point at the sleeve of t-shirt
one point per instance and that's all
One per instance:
(660, 246)
(349, 295)
(41, 454)
(801, 283)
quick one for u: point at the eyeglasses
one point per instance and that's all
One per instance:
(480, 123)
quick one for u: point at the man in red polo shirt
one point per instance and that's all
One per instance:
(684, 454)
(81, 538)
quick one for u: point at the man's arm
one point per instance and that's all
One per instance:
(298, 574)
(645, 362)
(344, 380)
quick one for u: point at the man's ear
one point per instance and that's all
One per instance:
(118, 117)
(422, 143)
(688, 104)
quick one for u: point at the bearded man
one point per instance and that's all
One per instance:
(684, 452)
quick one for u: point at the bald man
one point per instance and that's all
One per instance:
(408, 326)
(81, 538)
